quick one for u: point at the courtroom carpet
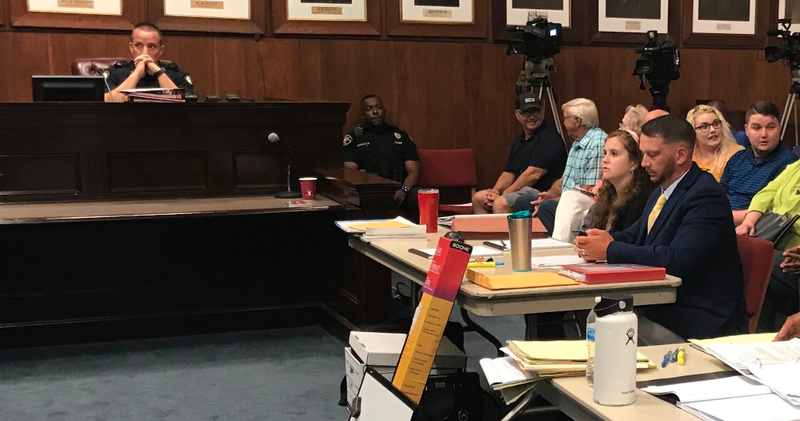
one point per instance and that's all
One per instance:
(287, 374)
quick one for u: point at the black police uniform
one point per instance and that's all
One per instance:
(120, 71)
(383, 150)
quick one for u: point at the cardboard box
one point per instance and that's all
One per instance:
(381, 351)
(378, 349)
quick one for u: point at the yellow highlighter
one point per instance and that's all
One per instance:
(681, 356)
(481, 264)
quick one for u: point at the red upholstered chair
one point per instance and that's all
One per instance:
(453, 172)
(757, 262)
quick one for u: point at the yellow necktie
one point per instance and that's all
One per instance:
(656, 211)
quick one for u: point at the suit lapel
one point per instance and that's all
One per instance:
(672, 202)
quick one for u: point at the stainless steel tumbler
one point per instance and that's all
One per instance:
(519, 231)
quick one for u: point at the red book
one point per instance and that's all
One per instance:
(604, 273)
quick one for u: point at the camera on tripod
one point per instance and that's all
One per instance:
(658, 64)
(789, 46)
(537, 40)
(658, 61)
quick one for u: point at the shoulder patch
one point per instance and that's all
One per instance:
(397, 135)
(347, 140)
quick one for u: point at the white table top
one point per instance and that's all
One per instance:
(574, 396)
(484, 302)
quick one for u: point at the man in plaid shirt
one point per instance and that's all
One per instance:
(584, 162)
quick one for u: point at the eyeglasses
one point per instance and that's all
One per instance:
(531, 114)
(705, 127)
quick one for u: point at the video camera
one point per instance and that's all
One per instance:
(658, 62)
(537, 40)
(789, 46)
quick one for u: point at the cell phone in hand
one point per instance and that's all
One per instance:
(579, 233)
(586, 192)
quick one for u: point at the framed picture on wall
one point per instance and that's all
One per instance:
(223, 16)
(215, 9)
(437, 18)
(331, 10)
(733, 23)
(519, 12)
(345, 17)
(633, 16)
(790, 9)
(79, 7)
(724, 17)
(437, 11)
(77, 14)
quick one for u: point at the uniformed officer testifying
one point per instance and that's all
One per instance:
(381, 148)
(145, 70)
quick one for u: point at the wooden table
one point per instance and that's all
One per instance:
(573, 396)
(108, 270)
(484, 302)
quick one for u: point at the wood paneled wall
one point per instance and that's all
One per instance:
(445, 94)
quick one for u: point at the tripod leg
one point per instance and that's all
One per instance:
(794, 111)
(786, 111)
(556, 120)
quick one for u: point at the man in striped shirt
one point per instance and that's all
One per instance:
(748, 171)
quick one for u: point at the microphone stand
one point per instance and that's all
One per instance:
(288, 194)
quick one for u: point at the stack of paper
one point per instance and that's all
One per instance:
(383, 228)
(729, 399)
(559, 358)
(774, 364)
(533, 279)
(531, 361)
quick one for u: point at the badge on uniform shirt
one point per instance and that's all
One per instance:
(188, 79)
(347, 140)
(397, 135)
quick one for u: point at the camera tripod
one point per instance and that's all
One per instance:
(791, 106)
(535, 78)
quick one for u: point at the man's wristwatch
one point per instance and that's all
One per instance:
(159, 73)
(405, 189)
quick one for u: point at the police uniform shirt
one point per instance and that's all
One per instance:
(121, 70)
(544, 149)
(381, 150)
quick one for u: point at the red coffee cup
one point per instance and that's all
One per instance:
(429, 209)
(308, 186)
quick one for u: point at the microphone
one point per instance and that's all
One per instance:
(288, 194)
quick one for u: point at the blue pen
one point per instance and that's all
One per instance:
(667, 358)
(675, 355)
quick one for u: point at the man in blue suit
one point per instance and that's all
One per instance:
(687, 227)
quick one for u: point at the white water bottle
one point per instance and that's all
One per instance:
(590, 322)
(615, 351)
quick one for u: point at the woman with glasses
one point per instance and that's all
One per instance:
(714, 144)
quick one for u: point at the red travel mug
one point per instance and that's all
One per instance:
(429, 209)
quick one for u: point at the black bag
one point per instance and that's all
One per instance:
(451, 397)
(772, 227)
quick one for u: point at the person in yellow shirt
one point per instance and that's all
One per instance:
(781, 195)
(714, 144)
